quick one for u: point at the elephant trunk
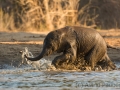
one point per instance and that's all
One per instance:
(42, 54)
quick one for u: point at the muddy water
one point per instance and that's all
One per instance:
(25, 78)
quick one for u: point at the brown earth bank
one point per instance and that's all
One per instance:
(11, 43)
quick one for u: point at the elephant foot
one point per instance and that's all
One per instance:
(112, 65)
(64, 65)
(108, 68)
(107, 65)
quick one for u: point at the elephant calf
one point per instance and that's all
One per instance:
(77, 44)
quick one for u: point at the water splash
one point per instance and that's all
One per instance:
(41, 64)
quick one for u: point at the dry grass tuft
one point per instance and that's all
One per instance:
(39, 14)
(42, 15)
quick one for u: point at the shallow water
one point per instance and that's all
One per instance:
(45, 77)
(24, 78)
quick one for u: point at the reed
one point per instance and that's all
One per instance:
(52, 14)
(38, 14)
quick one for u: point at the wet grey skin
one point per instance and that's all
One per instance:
(74, 41)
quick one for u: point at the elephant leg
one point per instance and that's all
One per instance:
(108, 64)
(94, 55)
(59, 60)
(68, 56)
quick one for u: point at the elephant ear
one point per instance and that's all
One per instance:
(71, 40)
(70, 36)
(70, 33)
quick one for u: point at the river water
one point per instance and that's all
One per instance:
(25, 78)
(41, 75)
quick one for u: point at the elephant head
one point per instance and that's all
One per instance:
(52, 43)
